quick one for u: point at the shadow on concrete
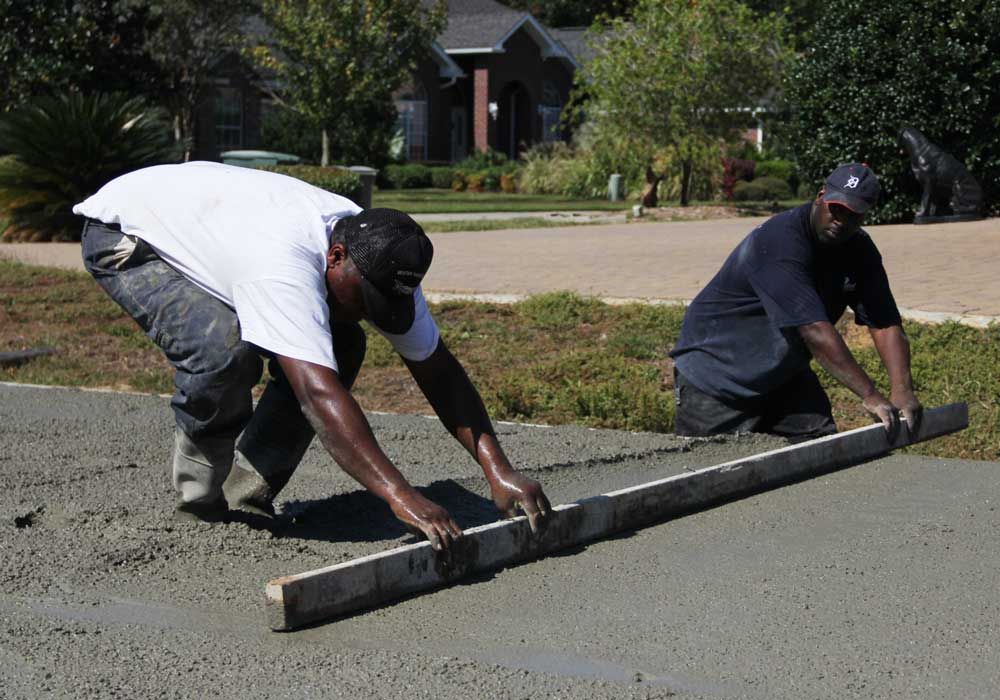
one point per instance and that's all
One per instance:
(359, 516)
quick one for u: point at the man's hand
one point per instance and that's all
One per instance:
(881, 409)
(908, 404)
(514, 489)
(423, 515)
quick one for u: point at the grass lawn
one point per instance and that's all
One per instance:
(499, 224)
(554, 358)
(439, 201)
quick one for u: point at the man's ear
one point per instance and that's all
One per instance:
(336, 255)
(822, 191)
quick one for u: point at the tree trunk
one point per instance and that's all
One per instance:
(686, 168)
(649, 198)
(325, 158)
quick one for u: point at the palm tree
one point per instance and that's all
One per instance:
(63, 148)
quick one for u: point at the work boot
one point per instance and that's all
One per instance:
(246, 490)
(216, 511)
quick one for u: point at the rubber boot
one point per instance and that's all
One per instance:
(199, 470)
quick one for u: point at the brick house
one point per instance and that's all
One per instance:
(495, 78)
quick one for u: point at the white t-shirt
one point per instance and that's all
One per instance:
(253, 239)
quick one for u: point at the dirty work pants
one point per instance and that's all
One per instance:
(800, 410)
(214, 369)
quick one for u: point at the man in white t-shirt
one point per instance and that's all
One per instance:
(224, 267)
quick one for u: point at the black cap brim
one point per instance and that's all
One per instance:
(855, 204)
(393, 314)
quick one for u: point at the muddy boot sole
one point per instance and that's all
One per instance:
(214, 512)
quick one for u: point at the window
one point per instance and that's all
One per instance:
(550, 110)
(228, 118)
(411, 124)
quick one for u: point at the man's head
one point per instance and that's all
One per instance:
(840, 206)
(376, 260)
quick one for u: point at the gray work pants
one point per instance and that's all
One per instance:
(215, 370)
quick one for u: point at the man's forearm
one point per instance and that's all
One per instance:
(458, 404)
(343, 429)
(894, 349)
(830, 350)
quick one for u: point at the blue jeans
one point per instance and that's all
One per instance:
(215, 370)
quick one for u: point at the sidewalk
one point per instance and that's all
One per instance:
(936, 271)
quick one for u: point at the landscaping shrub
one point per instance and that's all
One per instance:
(761, 189)
(458, 182)
(557, 168)
(63, 148)
(932, 65)
(508, 184)
(442, 177)
(474, 182)
(481, 160)
(491, 179)
(736, 170)
(781, 169)
(407, 176)
(337, 180)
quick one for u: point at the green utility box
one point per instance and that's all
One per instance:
(251, 159)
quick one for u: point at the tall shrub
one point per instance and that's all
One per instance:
(873, 68)
(64, 148)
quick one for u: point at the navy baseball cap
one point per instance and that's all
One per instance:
(854, 185)
(392, 253)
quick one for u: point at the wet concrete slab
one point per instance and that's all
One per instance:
(876, 581)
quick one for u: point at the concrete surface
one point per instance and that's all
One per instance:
(876, 581)
(937, 271)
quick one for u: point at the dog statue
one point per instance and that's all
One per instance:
(950, 193)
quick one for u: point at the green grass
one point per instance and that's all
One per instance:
(437, 201)
(497, 224)
(553, 358)
(440, 201)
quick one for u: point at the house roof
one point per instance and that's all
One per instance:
(574, 39)
(484, 26)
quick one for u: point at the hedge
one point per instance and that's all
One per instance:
(761, 189)
(337, 180)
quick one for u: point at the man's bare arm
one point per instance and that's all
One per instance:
(457, 403)
(894, 348)
(830, 350)
(347, 435)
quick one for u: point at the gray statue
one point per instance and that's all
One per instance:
(950, 193)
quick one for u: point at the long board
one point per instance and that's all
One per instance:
(333, 591)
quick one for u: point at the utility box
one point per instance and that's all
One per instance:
(615, 187)
(251, 159)
(367, 176)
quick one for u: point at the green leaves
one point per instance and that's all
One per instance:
(64, 148)
(872, 69)
(679, 75)
(338, 62)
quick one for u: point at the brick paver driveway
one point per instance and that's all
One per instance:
(948, 269)
(933, 268)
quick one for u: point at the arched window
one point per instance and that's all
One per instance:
(411, 123)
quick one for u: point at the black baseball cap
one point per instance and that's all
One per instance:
(854, 185)
(392, 253)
